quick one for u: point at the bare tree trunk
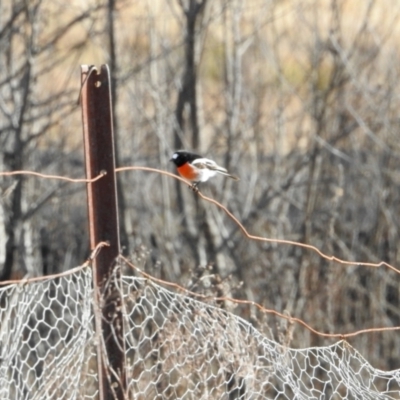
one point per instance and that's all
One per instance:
(13, 160)
(31, 105)
(114, 93)
(187, 93)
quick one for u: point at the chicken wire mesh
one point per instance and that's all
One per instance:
(176, 348)
(46, 336)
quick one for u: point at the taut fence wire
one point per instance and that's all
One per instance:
(219, 205)
(261, 308)
(57, 177)
(260, 238)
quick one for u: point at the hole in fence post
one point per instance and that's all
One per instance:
(103, 227)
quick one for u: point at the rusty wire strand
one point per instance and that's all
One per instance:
(95, 252)
(260, 238)
(259, 306)
(59, 177)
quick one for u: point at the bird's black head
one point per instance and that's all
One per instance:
(181, 157)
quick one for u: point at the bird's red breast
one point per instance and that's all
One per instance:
(187, 171)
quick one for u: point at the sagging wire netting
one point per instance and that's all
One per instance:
(46, 339)
(176, 348)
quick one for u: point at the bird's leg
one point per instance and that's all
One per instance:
(194, 187)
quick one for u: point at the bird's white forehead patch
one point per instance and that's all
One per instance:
(175, 156)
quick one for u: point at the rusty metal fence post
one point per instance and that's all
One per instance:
(103, 225)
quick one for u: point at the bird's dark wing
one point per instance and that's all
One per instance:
(205, 163)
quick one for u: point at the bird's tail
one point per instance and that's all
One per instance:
(224, 172)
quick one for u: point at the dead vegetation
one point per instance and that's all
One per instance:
(298, 98)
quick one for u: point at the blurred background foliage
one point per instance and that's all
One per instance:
(298, 98)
